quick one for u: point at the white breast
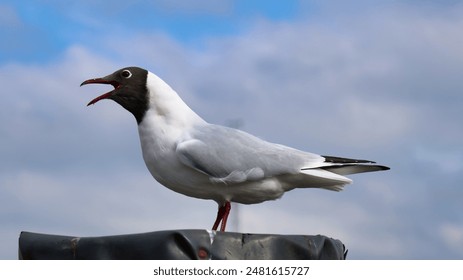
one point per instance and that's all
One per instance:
(164, 123)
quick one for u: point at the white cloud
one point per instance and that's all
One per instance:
(447, 161)
(452, 235)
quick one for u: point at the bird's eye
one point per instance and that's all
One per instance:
(126, 74)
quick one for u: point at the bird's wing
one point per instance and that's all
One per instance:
(233, 156)
(345, 166)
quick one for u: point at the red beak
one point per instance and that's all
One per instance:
(115, 84)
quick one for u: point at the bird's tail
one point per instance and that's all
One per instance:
(319, 178)
(330, 176)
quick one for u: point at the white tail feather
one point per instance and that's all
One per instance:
(319, 178)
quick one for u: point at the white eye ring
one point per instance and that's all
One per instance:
(126, 74)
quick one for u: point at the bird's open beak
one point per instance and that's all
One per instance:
(115, 84)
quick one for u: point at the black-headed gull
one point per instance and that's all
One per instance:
(190, 156)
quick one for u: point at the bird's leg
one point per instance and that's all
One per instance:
(227, 207)
(220, 213)
(222, 216)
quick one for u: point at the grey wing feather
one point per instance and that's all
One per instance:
(233, 156)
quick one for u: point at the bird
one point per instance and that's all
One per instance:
(192, 157)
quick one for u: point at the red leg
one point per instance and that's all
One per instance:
(225, 215)
(220, 213)
(222, 216)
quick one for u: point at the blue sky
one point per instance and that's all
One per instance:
(44, 28)
(369, 79)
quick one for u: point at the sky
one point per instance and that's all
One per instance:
(379, 80)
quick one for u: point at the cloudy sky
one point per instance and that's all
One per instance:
(379, 80)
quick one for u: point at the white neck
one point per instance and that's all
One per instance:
(165, 106)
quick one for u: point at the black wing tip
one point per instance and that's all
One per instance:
(348, 161)
(384, 167)
(345, 160)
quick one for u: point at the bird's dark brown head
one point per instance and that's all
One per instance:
(130, 90)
